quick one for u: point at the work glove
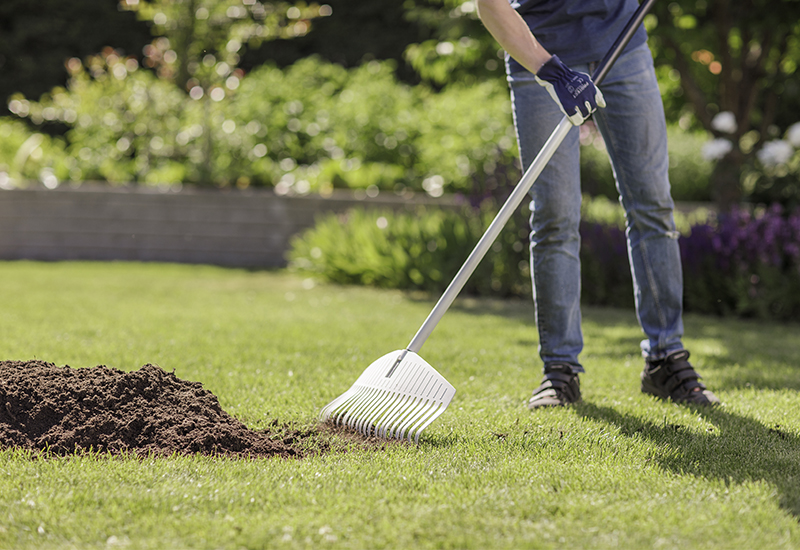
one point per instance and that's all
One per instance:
(574, 92)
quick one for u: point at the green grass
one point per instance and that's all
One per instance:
(619, 470)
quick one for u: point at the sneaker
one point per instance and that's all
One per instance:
(673, 377)
(559, 387)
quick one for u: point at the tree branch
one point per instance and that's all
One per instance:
(723, 24)
(689, 84)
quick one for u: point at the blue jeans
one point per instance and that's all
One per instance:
(634, 130)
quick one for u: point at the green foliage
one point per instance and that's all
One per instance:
(411, 250)
(354, 33)
(124, 122)
(361, 128)
(774, 176)
(200, 42)
(460, 49)
(745, 267)
(324, 126)
(37, 37)
(736, 58)
(726, 55)
(30, 156)
(311, 127)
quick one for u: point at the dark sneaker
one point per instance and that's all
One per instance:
(674, 378)
(560, 386)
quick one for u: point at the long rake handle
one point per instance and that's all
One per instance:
(520, 191)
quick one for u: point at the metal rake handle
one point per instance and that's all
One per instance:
(521, 190)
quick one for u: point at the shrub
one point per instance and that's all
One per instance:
(423, 250)
(774, 175)
(310, 127)
(123, 122)
(30, 156)
(746, 264)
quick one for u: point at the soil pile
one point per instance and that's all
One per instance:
(63, 410)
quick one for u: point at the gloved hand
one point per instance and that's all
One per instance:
(575, 93)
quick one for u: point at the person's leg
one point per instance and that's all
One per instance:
(555, 218)
(634, 130)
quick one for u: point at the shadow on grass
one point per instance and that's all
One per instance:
(737, 449)
(748, 353)
(732, 353)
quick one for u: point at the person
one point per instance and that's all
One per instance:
(551, 46)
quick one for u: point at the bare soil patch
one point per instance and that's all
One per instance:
(63, 410)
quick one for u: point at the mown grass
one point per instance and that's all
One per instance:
(618, 470)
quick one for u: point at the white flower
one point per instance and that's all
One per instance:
(775, 152)
(716, 149)
(793, 134)
(724, 122)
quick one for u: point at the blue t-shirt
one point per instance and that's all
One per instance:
(578, 31)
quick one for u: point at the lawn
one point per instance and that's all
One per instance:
(618, 470)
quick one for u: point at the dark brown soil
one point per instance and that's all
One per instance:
(63, 410)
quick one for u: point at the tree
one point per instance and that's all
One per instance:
(355, 32)
(199, 43)
(736, 63)
(36, 38)
(459, 49)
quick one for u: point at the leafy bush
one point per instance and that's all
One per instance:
(328, 127)
(123, 122)
(423, 250)
(310, 127)
(743, 264)
(30, 156)
(748, 264)
(774, 175)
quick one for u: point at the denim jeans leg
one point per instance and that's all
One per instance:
(634, 130)
(555, 219)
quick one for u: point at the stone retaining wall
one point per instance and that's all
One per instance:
(229, 228)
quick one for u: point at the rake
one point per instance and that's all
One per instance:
(400, 394)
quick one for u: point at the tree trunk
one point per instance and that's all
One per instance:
(726, 185)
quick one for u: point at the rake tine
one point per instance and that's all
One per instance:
(389, 397)
(441, 405)
(423, 391)
(390, 422)
(367, 396)
(383, 424)
(426, 407)
(420, 412)
(361, 417)
(393, 393)
(376, 399)
(346, 416)
(400, 401)
(399, 419)
(337, 411)
(328, 409)
(376, 413)
(344, 408)
(368, 388)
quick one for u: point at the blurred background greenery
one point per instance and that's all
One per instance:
(377, 95)
(408, 98)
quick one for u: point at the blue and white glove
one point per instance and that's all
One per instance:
(574, 92)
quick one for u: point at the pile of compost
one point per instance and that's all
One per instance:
(63, 410)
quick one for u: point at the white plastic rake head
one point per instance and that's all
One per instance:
(397, 396)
